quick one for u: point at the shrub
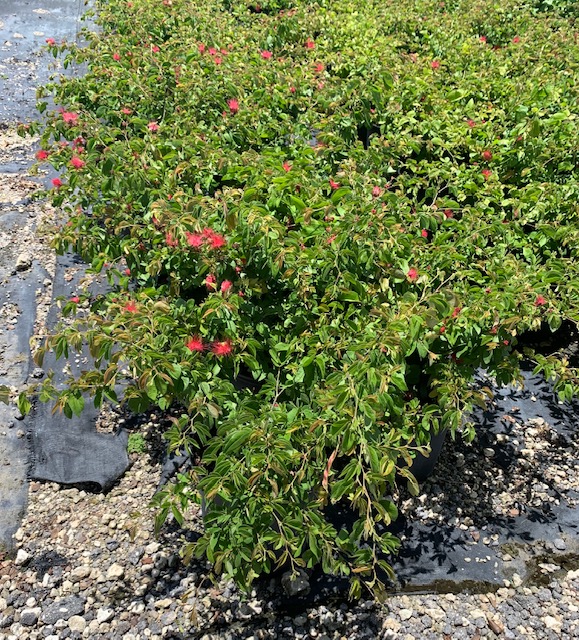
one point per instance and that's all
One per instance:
(355, 205)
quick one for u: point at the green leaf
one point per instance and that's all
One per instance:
(23, 404)
(4, 394)
(76, 404)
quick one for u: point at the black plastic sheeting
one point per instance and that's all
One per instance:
(70, 450)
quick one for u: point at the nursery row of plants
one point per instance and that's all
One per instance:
(318, 220)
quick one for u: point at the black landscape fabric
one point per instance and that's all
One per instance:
(71, 451)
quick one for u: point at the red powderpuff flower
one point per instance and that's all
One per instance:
(540, 301)
(266, 55)
(334, 184)
(226, 285)
(50, 42)
(486, 173)
(131, 307)
(412, 274)
(170, 240)
(483, 39)
(201, 48)
(233, 105)
(435, 64)
(456, 311)
(442, 329)
(69, 117)
(222, 348)
(216, 241)
(42, 155)
(286, 166)
(195, 344)
(319, 67)
(127, 272)
(153, 126)
(487, 155)
(210, 281)
(377, 191)
(194, 240)
(75, 299)
(77, 163)
(310, 44)
(292, 89)
(56, 183)
(424, 233)
(116, 57)
(516, 39)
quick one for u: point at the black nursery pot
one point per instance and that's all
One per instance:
(423, 466)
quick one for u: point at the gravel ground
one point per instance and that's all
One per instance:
(89, 566)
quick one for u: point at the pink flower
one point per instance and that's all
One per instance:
(442, 329)
(225, 286)
(222, 348)
(127, 272)
(486, 173)
(153, 126)
(292, 89)
(487, 155)
(131, 307)
(424, 233)
(194, 240)
(56, 183)
(69, 117)
(471, 123)
(217, 60)
(319, 67)
(77, 163)
(286, 166)
(435, 64)
(42, 155)
(516, 39)
(456, 311)
(334, 184)
(233, 105)
(195, 344)
(126, 111)
(210, 281)
(412, 274)
(448, 213)
(201, 48)
(540, 301)
(155, 49)
(266, 55)
(310, 44)
(170, 240)
(50, 42)
(212, 51)
(75, 299)
(377, 191)
(216, 241)
(116, 57)
(483, 39)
